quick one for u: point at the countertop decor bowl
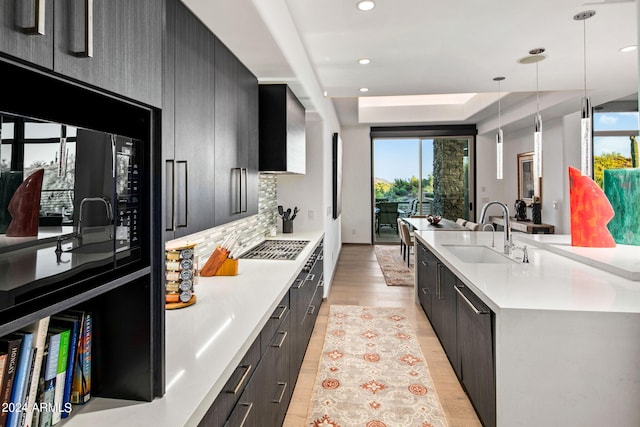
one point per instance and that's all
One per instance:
(434, 219)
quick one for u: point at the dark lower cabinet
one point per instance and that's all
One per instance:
(234, 391)
(465, 327)
(260, 389)
(444, 314)
(427, 269)
(475, 326)
(273, 373)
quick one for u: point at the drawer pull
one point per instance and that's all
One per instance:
(279, 316)
(238, 386)
(424, 291)
(249, 406)
(284, 388)
(311, 310)
(311, 277)
(473, 307)
(320, 284)
(284, 337)
(298, 284)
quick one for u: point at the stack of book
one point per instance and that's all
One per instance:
(44, 369)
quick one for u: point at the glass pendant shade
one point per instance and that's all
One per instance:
(499, 155)
(537, 147)
(586, 148)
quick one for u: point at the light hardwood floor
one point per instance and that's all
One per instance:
(359, 281)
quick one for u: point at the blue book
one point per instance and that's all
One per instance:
(72, 321)
(20, 380)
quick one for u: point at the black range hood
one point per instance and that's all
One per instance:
(282, 131)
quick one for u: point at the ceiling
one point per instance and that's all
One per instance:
(420, 47)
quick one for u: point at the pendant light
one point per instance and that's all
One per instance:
(586, 147)
(535, 56)
(499, 135)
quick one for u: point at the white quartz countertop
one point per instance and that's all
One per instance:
(549, 282)
(205, 342)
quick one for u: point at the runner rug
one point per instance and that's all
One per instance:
(394, 268)
(372, 373)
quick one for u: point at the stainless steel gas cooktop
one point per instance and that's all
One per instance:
(276, 250)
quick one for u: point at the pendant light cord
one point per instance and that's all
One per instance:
(537, 92)
(584, 55)
(499, 107)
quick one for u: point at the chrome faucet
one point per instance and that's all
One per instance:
(507, 223)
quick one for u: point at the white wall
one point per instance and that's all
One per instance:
(356, 185)
(560, 149)
(312, 192)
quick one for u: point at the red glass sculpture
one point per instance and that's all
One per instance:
(590, 212)
(24, 207)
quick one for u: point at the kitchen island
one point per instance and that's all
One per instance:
(566, 335)
(205, 343)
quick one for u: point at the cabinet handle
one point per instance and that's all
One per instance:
(279, 316)
(311, 310)
(170, 194)
(438, 266)
(236, 178)
(88, 31)
(300, 284)
(473, 307)
(423, 263)
(238, 386)
(284, 387)
(183, 207)
(311, 277)
(424, 291)
(39, 14)
(244, 194)
(249, 406)
(284, 337)
(320, 284)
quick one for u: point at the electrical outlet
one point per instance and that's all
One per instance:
(353, 231)
(311, 214)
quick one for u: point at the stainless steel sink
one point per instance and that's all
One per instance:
(478, 254)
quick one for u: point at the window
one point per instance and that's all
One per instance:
(615, 138)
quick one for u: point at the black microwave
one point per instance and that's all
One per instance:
(72, 206)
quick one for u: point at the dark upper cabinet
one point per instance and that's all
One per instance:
(236, 137)
(209, 128)
(188, 124)
(248, 136)
(282, 130)
(26, 32)
(114, 45)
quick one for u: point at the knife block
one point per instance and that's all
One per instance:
(228, 268)
(214, 262)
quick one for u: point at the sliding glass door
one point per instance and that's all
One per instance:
(420, 176)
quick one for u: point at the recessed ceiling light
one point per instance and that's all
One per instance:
(366, 5)
(629, 48)
(364, 89)
(364, 61)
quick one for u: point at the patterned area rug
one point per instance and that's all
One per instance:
(372, 373)
(394, 268)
